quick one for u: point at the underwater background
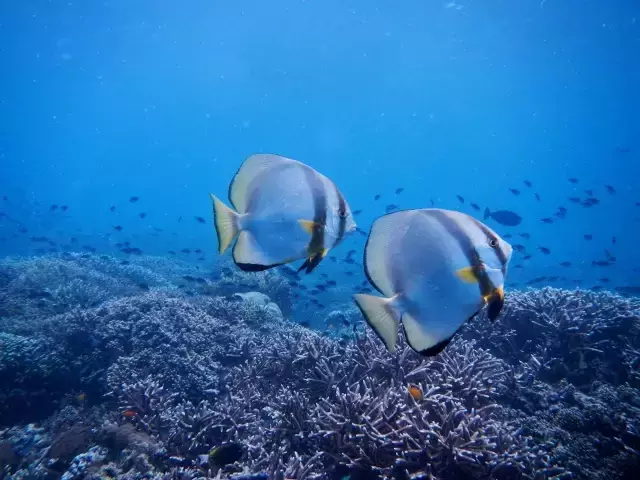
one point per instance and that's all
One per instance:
(129, 348)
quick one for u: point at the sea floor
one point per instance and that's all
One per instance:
(140, 369)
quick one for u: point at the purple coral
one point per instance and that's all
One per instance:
(530, 396)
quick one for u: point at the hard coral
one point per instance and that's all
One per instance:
(577, 335)
(530, 396)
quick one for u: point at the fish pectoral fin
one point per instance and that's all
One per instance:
(467, 274)
(421, 339)
(381, 317)
(495, 303)
(226, 223)
(309, 226)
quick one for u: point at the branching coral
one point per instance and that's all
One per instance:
(578, 335)
(518, 398)
(145, 402)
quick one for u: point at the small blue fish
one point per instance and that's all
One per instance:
(503, 217)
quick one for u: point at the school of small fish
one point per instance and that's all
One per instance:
(435, 268)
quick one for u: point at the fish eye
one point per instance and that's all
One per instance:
(342, 213)
(493, 243)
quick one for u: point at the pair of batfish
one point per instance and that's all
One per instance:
(436, 268)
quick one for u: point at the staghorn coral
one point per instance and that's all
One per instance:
(377, 423)
(577, 335)
(364, 420)
(147, 401)
(512, 399)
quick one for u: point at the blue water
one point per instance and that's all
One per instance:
(529, 106)
(100, 101)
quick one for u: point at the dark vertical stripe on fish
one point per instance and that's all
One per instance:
(469, 250)
(342, 216)
(493, 238)
(316, 244)
(253, 187)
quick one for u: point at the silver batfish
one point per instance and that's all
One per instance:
(437, 269)
(284, 211)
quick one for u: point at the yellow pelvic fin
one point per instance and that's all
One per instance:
(309, 226)
(467, 274)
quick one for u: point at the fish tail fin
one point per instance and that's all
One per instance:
(226, 222)
(381, 316)
(487, 213)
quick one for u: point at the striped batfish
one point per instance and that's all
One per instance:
(437, 269)
(284, 211)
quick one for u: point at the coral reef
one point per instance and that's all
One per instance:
(579, 335)
(144, 382)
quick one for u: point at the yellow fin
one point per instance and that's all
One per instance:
(226, 223)
(466, 275)
(309, 226)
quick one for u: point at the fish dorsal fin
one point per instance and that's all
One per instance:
(309, 226)
(251, 168)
